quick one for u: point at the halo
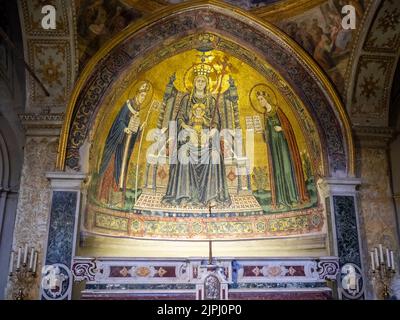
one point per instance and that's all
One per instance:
(188, 78)
(134, 89)
(253, 97)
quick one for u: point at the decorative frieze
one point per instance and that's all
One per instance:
(42, 124)
(373, 137)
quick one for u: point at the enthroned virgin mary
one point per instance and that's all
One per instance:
(197, 178)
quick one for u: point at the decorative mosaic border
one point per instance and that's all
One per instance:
(105, 221)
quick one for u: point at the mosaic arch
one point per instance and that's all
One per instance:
(204, 71)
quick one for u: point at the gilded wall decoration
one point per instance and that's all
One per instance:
(313, 24)
(129, 195)
(184, 22)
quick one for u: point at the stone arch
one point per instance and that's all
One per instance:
(374, 66)
(269, 43)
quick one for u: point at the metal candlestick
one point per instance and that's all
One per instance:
(23, 265)
(383, 270)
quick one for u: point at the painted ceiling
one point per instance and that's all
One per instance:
(318, 30)
(361, 63)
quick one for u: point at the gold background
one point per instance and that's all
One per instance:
(245, 79)
(159, 75)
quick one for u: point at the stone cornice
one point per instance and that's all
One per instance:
(65, 180)
(42, 124)
(373, 137)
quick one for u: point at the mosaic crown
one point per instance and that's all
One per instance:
(202, 70)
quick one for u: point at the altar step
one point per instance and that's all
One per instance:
(232, 295)
(197, 279)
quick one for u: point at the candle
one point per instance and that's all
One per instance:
(25, 261)
(11, 262)
(381, 253)
(19, 258)
(387, 257)
(31, 259)
(35, 262)
(376, 258)
(391, 256)
(372, 260)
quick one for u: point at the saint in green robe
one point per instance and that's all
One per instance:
(283, 177)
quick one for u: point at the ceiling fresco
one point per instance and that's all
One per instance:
(363, 61)
(319, 31)
(317, 28)
(99, 21)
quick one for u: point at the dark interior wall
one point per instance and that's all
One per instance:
(12, 103)
(10, 164)
(394, 118)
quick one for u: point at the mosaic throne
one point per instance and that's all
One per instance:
(237, 173)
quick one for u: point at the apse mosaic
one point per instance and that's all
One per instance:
(201, 145)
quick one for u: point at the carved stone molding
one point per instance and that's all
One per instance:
(373, 137)
(42, 124)
(84, 270)
(328, 269)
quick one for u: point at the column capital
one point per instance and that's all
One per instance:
(65, 180)
(341, 186)
(42, 124)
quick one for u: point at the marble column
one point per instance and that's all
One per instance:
(62, 234)
(344, 225)
(376, 203)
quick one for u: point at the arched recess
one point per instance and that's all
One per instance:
(12, 98)
(260, 45)
(272, 45)
(374, 64)
(10, 166)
